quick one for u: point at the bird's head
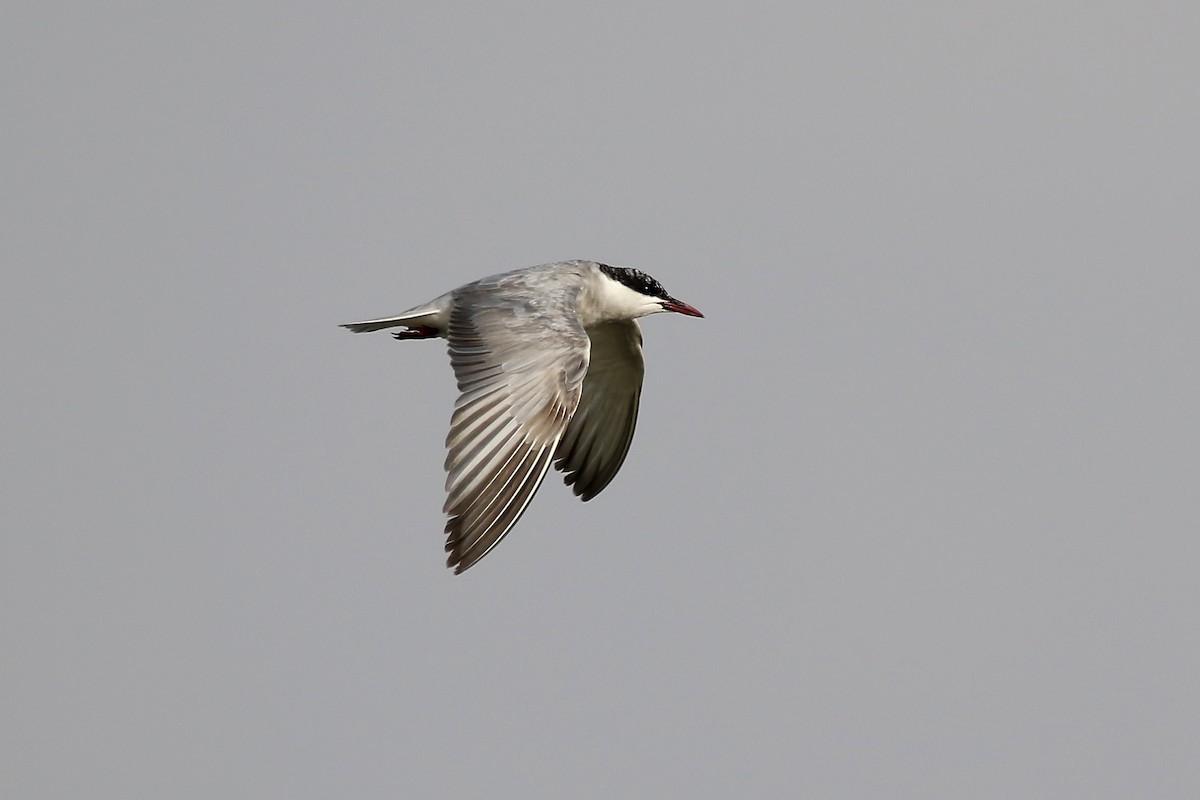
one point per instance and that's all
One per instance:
(631, 293)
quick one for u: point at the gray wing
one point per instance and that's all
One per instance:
(598, 436)
(520, 369)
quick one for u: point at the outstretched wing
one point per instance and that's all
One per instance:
(520, 369)
(598, 436)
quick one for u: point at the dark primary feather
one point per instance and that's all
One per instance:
(599, 434)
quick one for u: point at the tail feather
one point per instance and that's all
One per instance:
(426, 320)
(379, 324)
(430, 318)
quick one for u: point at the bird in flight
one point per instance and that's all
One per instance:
(549, 366)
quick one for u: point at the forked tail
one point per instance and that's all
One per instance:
(423, 323)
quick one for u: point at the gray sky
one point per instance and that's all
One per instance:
(912, 513)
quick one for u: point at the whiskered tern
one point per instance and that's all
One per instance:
(549, 367)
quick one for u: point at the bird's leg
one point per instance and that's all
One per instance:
(417, 332)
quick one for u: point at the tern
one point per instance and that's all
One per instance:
(549, 366)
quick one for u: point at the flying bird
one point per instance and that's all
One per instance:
(549, 366)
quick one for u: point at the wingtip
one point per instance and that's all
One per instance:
(456, 558)
(456, 563)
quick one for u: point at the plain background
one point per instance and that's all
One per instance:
(912, 513)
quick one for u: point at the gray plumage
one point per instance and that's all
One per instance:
(549, 366)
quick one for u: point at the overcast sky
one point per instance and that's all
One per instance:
(914, 512)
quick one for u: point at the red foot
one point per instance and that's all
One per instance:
(418, 332)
